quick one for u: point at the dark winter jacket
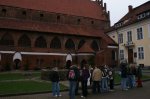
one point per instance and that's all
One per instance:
(85, 74)
(54, 76)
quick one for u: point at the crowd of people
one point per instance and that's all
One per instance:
(101, 79)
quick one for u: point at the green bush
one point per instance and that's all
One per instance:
(45, 74)
(7, 66)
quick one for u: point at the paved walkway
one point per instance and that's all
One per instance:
(136, 93)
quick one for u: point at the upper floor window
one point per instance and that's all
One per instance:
(78, 21)
(24, 13)
(121, 54)
(140, 53)
(4, 10)
(58, 18)
(139, 33)
(129, 36)
(41, 15)
(92, 22)
(120, 38)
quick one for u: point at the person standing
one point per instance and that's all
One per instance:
(111, 79)
(96, 77)
(73, 75)
(139, 76)
(55, 82)
(84, 80)
(104, 81)
(123, 66)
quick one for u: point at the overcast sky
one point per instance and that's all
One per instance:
(118, 8)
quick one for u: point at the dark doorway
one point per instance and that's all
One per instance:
(130, 56)
(17, 61)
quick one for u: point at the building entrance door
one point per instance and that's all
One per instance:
(130, 56)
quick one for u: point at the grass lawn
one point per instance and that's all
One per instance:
(16, 76)
(25, 87)
(28, 85)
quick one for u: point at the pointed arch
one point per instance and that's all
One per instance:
(81, 43)
(7, 39)
(95, 45)
(69, 44)
(40, 42)
(55, 43)
(24, 41)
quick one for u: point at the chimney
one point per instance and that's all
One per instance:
(130, 8)
(105, 7)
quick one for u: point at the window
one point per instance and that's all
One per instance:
(58, 18)
(70, 44)
(92, 22)
(4, 10)
(139, 33)
(79, 21)
(140, 53)
(120, 38)
(114, 56)
(129, 36)
(121, 54)
(7, 40)
(24, 13)
(40, 42)
(95, 45)
(55, 43)
(41, 15)
(24, 41)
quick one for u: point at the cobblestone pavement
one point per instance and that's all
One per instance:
(136, 93)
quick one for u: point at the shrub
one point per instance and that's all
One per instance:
(45, 74)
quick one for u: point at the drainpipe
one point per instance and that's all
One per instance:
(118, 46)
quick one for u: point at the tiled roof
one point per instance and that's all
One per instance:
(86, 8)
(131, 17)
(86, 49)
(53, 28)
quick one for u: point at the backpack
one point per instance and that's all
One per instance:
(71, 75)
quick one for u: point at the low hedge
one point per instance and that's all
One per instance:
(45, 74)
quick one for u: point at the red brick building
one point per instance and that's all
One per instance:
(47, 33)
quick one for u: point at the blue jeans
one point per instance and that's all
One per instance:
(55, 88)
(104, 84)
(124, 83)
(72, 87)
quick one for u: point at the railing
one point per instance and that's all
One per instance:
(128, 44)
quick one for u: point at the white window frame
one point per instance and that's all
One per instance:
(120, 38)
(129, 36)
(121, 54)
(140, 52)
(139, 32)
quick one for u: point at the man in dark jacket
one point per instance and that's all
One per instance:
(123, 66)
(55, 82)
